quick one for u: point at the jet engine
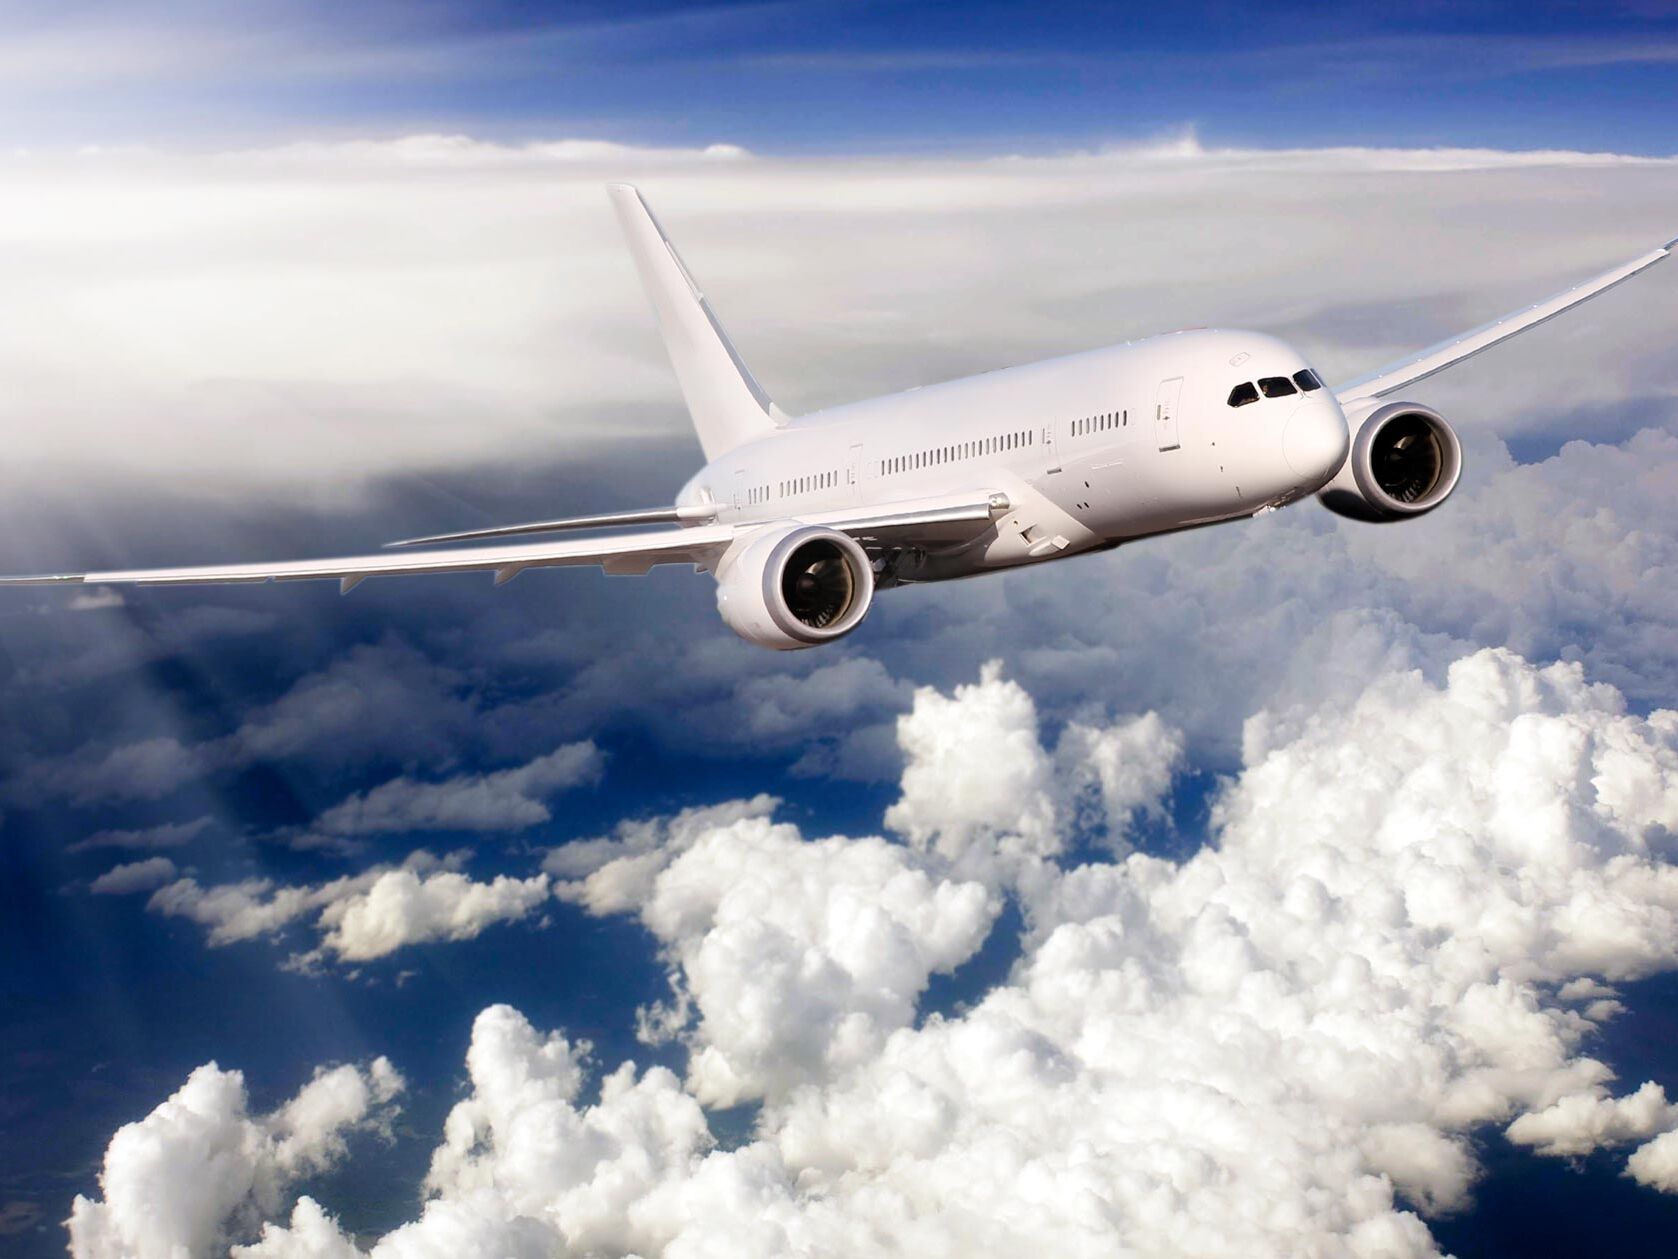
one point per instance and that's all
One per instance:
(793, 588)
(1404, 460)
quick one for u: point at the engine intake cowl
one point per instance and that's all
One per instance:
(793, 588)
(1404, 461)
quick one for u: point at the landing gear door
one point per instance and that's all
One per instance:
(1165, 414)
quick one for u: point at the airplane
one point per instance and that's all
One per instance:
(803, 519)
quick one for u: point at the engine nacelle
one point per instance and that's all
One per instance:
(1405, 460)
(793, 588)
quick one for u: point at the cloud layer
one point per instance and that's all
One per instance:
(1405, 929)
(329, 314)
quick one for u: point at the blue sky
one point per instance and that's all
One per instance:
(847, 77)
(251, 319)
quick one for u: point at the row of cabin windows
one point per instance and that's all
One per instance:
(1306, 381)
(961, 450)
(804, 484)
(758, 494)
(1100, 423)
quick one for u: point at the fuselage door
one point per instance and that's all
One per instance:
(853, 472)
(1165, 414)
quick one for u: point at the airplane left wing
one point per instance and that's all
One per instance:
(910, 522)
(631, 553)
(1436, 358)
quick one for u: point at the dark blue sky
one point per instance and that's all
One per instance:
(827, 76)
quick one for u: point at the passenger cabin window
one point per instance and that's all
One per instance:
(1307, 380)
(1276, 386)
(1243, 393)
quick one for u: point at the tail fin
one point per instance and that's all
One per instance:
(728, 406)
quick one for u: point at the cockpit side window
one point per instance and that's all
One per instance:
(1307, 380)
(1242, 394)
(1276, 386)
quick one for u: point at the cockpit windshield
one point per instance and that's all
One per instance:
(1304, 381)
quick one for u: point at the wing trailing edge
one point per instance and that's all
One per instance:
(936, 521)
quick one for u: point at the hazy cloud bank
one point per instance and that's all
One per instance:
(330, 314)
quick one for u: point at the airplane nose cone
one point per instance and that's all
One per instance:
(1315, 442)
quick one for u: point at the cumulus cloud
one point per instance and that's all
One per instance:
(403, 907)
(981, 791)
(201, 1169)
(1582, 1122)
(134, 876)
(1656, 1163)
(359, 917)
(1288, 1041)
(843, 934)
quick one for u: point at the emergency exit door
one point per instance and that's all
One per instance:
(1165, 414)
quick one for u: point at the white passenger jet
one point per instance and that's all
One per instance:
(802, 519)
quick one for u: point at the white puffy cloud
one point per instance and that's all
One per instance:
(1655, 1163)
(403, 907)
(505, 800)
(1129, 767)
(362, 916)
(526, 1169)
(134, 876)
(617, 872)
(982, 792)
(1285, 1043)
(200, 1168)
(1579, 1123)
(977, 783)
(842, 937)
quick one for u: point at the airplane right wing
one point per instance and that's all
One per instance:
(1436, 358)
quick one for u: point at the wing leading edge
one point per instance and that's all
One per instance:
(628, 554)
(924, 521)
(1436, 358)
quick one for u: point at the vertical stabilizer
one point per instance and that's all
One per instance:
(728, 406)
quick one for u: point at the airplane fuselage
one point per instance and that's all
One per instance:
(1090, 450)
